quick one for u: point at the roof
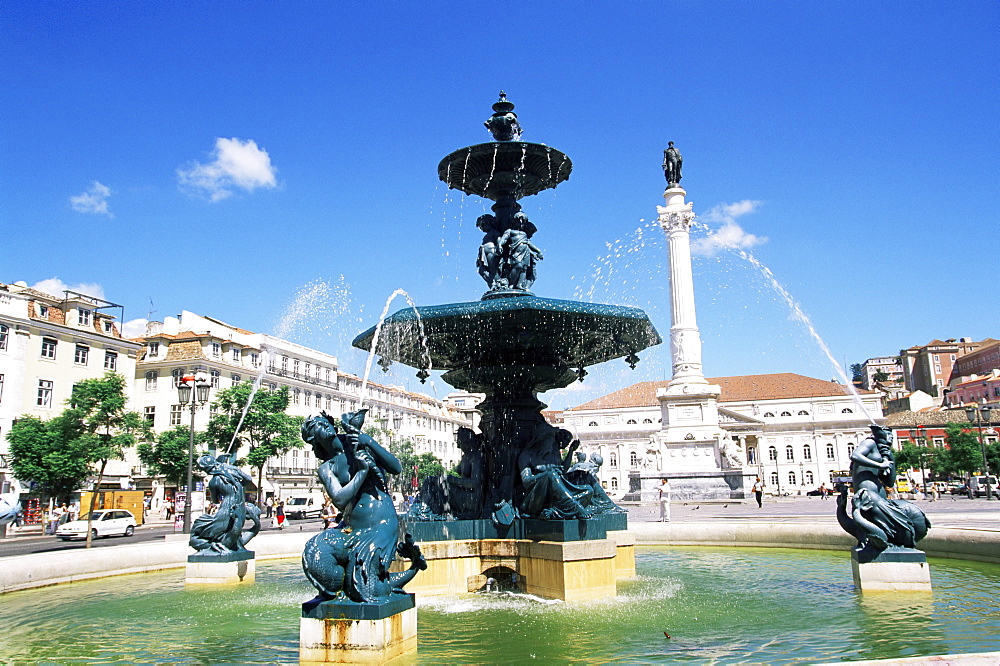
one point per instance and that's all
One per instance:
(782, 385)
(908, 419)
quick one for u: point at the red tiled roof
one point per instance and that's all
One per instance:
(734, 389)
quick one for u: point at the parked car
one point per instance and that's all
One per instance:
(961, 489)
(299, 507)
(108, 522)
(978, 484)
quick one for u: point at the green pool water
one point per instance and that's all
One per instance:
(718, 605)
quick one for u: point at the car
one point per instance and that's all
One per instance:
(300, 507)
(107, 522)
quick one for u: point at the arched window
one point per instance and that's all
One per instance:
(647, 421)
(789, 453)
(847, 410)
(807, 452)
(850, 449)
(774, 479)
(772, 453)
(803, 412)
(768, 415)
(592, 424)
(829, 452)
(630, 422)
(633, 459)
(809, 478)
(614, 483)
(752, 455)
(786, 413)
(613, 461)
(791, 478)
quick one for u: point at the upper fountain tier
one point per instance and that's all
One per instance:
(506, 167)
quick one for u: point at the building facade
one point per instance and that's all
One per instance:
(888, 365)
(48, 344)
(792, 431)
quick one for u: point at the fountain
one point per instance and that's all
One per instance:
(517, 479)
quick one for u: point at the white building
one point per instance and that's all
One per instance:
(791, 430)
(887, 365)
(230, 355)
(48, 344)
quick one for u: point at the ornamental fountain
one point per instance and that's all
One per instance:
(517, 478)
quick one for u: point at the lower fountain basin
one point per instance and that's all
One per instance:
(724, 605)
(526, 330)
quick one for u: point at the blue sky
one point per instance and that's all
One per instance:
(220, 157)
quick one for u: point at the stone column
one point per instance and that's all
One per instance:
(676, 219)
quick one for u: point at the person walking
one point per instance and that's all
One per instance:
(269, 507)
(279, 512)
(758, 492)
(823, 491)
(664, 501)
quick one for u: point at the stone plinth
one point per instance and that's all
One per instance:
(337, 632)
(571, 571)
(893, 570)
(222, 569)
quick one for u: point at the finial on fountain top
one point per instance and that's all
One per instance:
(672, 162)
(503, 123)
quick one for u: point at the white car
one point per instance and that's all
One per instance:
(105, 523)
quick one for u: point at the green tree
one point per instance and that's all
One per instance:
(908, 457)
(857, 372)
(880, 376)
(964, 454)
(993, 457)
(49, 455)
(168, 455)
(266, 430)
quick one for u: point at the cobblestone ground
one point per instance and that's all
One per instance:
(949, 511)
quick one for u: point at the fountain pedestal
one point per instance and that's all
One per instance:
(893, 570)
(335, 632)
(225, 569)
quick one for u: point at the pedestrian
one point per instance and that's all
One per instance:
(664, 490)
(328, 515)
(279, 512)
(758, 492)
(935, 493)
(269, 506)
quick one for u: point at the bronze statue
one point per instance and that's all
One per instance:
(877, 522)
(351, 561)
(488, 261)
(672, 162)
(224, 531)
(519, 254)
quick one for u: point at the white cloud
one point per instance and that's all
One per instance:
(237, 164)
(136, 328)
(94, 200)
(730, 235)
(55, 287)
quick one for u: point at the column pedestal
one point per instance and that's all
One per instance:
(894, 570)
(226, 569)
(337, 632)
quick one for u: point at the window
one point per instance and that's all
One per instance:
(84, 317)
(308, 369)
(215, 375)
(318, 372)
(772, 453)
(175, 415)
(829, 452)
(216, 349)
(592, 424)
(254, 359)
(613, 461)
(109, 326)
(647, 420)
(614, 483)
(789, 454)
(236, 354)
(43, 311)
(850, 449)
(768, 415)
(295, 395)
(791, 478)
(110, 360)
(236, 379)
(807, 452)
(774, 478)
(177, 374)
(154, 349)
(81, 354)
(809, 478)
(49, 348)
(631, 422)
(284, 364)
(308, 399)
(4, 332)
(295, 368)
(44, 393)
(149, 413)
(1, 388)
(751, 455)
(151, 380)
(633, 459)
(786, 413)
(803, 412)
(329, 402)
(847, 410)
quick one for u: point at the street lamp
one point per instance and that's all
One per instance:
(200, 384)
(980, 414)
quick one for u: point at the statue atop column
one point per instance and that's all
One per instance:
(672, 162)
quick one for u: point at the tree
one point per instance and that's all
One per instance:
(267, 430)
(168, 455)
(880, 376)
(964, 454)
(993, 457)
(909, 456)
(857, 372)
(48, 455)
(422, 464)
